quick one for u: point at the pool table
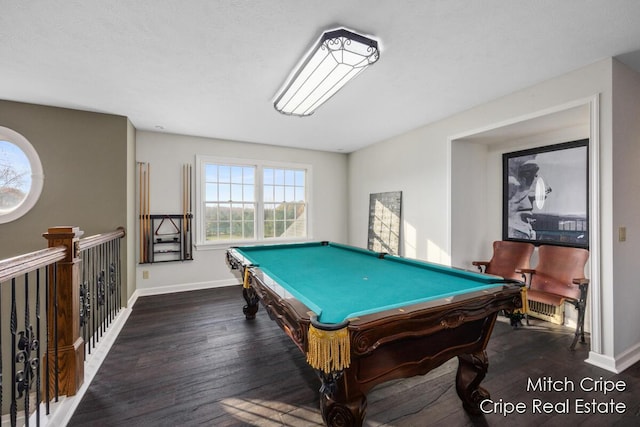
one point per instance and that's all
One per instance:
(363, 318)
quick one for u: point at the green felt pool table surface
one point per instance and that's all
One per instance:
(339, 282)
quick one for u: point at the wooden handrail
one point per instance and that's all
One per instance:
(25, 263)
(98, 239)
(22, 264)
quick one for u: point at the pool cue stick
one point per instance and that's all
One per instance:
(144, 214)
(188, 210)
(184, 211)
(141, 257)
(149, 235)
(190, 213)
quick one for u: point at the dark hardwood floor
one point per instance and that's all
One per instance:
(191, 359)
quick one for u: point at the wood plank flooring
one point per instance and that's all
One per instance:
(191, 359)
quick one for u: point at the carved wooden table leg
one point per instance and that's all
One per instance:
(471, 371)
(338, 409)
(337, 414)
(252, 300)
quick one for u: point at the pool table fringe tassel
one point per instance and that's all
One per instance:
(328, 351)
(245, 283)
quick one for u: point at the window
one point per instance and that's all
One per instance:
(242, 202)
(229, 202)
(20, 175)
(283, 196)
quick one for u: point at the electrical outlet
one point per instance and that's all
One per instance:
(145, 274)
(622, 234)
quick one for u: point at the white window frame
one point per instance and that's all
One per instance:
(37, 176)
(259, 165)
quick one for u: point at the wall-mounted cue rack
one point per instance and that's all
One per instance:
(165, 237)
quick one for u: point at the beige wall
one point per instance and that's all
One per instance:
(84, 158)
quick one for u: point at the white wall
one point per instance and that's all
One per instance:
(414, 164)
(420, 164)
(626, 208)
(167, 153)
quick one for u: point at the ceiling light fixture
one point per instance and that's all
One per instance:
(338, 57)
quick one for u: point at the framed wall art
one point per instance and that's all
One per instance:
(546, 195)
(384, 222)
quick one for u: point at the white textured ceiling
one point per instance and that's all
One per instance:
(212, 68)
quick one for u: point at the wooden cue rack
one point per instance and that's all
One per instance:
(165, 237)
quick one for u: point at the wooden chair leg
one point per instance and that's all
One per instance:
(579, 328)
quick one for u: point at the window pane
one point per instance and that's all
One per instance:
(224, 194)
(224, 174)
(249, 213)
(268, 176)
(248, 175)
(267, 195)
(15, 176)
(289, 177)
(236, 174)
(211, 192)
(289, 194)
(279, 194)
(211, 173)
(299, 180)
(299, 194)
(248, 193)
(279, 212)
(236, 192)
(249, 230)
(211, 212)
(269, 212)
(279, 177)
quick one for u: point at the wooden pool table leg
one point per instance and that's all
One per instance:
(252, 300)
(337, 414)
(338, 409)
(471, 371)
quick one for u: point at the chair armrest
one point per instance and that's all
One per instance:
(524, 272)
(583, 284)
(482, 265)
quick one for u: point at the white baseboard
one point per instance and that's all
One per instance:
(628, 358)
(184, 287)
(62, 411)
(602, 361)
(616, 364)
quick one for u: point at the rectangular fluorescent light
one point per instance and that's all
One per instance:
(338, 57)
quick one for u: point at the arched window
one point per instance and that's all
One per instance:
(21, 177)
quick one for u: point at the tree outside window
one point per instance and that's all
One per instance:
(20, 175)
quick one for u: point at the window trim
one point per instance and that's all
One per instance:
(202, 160)
(37, 175)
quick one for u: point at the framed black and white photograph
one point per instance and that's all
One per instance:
(546, 195)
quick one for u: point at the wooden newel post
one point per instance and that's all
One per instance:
(66, 291)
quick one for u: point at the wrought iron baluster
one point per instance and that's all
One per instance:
(56, 362)
(38, 350)
(95, 297)
(13, 410)
(24, 353)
